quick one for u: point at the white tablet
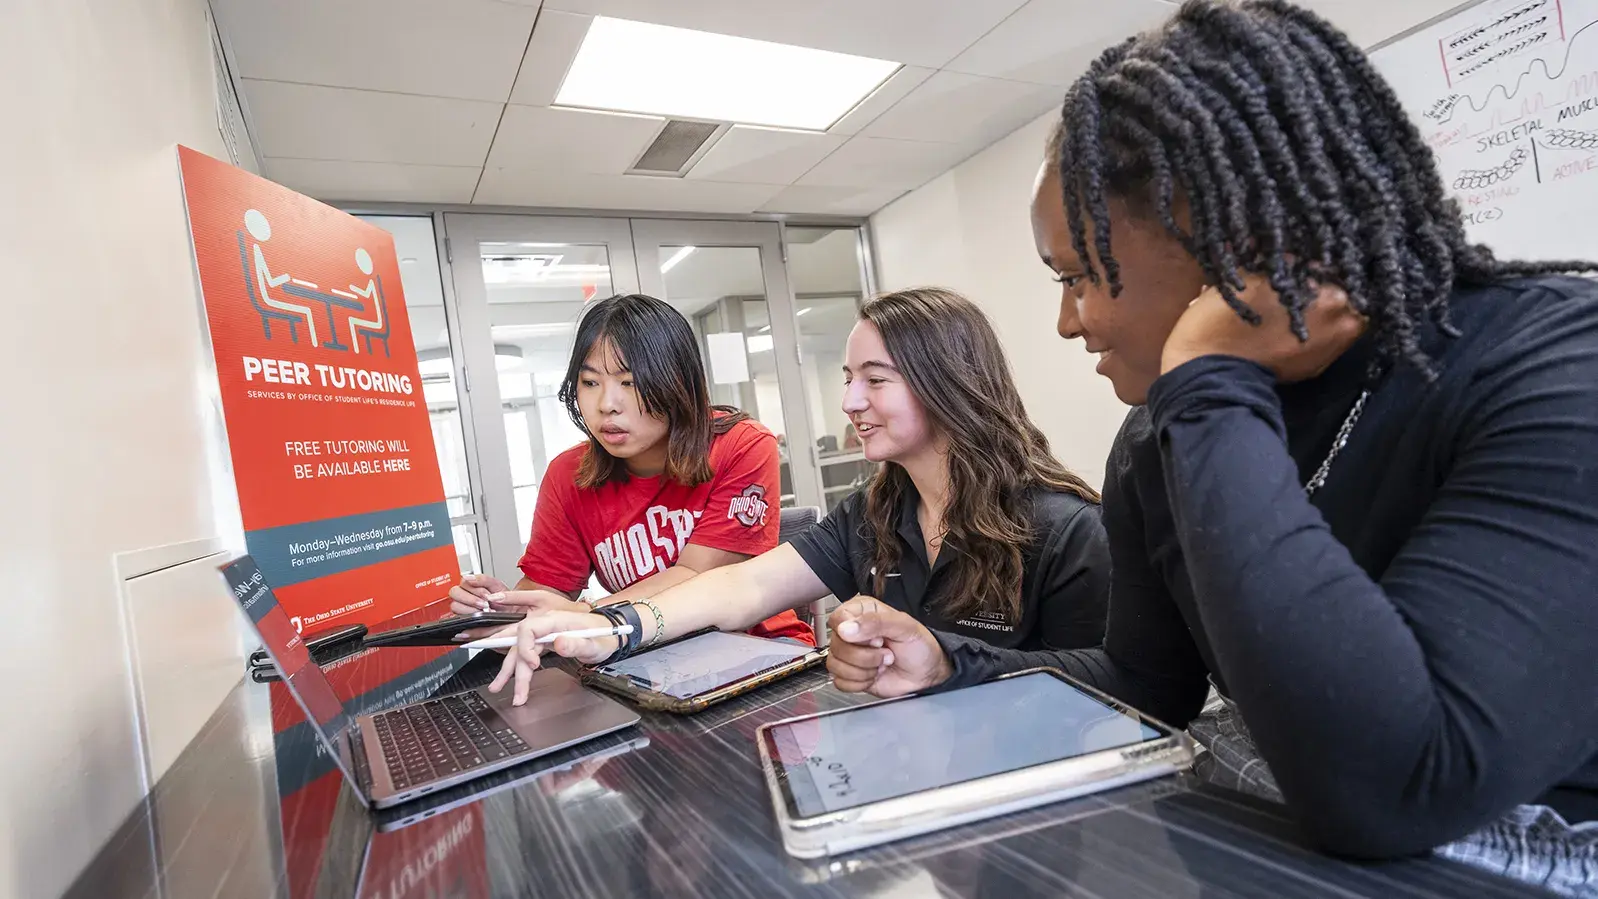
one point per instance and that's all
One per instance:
(875, 773)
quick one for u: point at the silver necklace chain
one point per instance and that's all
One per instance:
(1318, 479)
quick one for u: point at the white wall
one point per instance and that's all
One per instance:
(104, 439)
(970, 230)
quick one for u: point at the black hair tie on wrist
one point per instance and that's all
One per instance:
(629, 612)
(626, 644)
(617, 618)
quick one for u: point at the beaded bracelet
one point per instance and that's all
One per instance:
(660, 621)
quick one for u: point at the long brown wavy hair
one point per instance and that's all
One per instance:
(654, 343)
(951, 359)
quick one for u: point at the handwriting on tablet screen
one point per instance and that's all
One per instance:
(897, 748)
(833, 777)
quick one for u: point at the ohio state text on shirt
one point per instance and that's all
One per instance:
(625, 532)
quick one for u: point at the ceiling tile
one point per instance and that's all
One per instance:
(764, 155)
(567, 190)
(571, 140)
(462, 48)
(308, 122)
(872, 162)
(896, 88)
(964, 109)
(915, 32)
(805, 200)
(375, 181)
(1052, 41)
(549, 55)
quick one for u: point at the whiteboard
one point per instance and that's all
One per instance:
(1506, 94)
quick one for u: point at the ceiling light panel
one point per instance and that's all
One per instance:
(637, 67)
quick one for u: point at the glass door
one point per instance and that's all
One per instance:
(730, 280)
(436, 333)
(827, 269)
(522, 283)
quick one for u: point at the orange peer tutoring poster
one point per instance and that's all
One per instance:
(332, 448)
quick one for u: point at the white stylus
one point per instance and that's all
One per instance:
(620, 630)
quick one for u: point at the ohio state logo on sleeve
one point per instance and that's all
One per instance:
(749, 508)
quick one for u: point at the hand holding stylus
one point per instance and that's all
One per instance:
(620, 630)
(472, 594)
(486, 593)
(521, 662)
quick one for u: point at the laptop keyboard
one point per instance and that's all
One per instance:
(440, 737)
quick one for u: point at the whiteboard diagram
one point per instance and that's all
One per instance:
(1506, 95)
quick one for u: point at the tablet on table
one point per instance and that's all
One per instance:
(695, 672)
(859, 777)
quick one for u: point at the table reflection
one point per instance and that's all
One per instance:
(676, 807)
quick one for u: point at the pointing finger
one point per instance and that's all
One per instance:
(524, 680)
(506, 669)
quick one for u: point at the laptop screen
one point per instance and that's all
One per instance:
(303, 678)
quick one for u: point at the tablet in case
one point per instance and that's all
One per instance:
(696, 671)
(863, 776)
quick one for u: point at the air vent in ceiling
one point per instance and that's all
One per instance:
(230, 118)
(677, 147)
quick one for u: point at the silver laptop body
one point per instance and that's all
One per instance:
(393, 756)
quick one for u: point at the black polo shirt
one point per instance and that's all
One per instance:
(1064, 585)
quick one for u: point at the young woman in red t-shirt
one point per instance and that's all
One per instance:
(666, 487)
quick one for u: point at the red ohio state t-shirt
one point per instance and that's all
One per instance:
(629, 531)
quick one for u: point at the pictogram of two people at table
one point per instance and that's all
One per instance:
(292, 301)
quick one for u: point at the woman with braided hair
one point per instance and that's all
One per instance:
(1359, 492)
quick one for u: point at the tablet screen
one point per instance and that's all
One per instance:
(848, 759)
(700, 664)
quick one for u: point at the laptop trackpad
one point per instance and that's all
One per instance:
(560, 712)
(553, 693)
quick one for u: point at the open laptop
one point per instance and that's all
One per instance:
(413, 750)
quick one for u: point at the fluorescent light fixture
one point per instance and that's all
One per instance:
(765, 329)
(626, 66)
(436, 363)
(803, 311)
(442, 368)
(530, 332)
(441, 392)
(680, 255)
(522, 269)
(437, 366)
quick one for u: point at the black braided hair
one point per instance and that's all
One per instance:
(1296, 160)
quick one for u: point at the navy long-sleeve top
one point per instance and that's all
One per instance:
(1414, 647)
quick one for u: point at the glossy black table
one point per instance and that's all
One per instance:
(675, 807)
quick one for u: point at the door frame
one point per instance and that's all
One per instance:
(650, 235)
(479, 375)
(478, 518)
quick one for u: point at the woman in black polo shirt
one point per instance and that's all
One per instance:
(970, 526)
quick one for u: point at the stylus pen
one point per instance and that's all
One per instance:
(620, 630)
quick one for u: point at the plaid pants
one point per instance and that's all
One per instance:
(1531, 844)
